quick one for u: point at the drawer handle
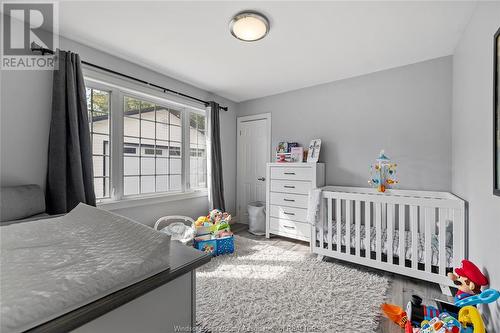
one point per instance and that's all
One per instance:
(290, 200)
(288, 186)
(289, 227)
(289, 173)
(286, 213)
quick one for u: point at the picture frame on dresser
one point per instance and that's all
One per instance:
(313, 151)
(496, 114)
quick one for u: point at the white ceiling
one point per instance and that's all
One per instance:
(309, 42)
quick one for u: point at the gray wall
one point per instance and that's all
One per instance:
(473, 143)
(25, 117)
(405, 110)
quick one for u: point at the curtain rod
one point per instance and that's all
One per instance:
(37, 48)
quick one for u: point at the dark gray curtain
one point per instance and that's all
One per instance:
(70, 173)
(217, 185)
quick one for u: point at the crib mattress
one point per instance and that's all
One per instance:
(53, 266)
(395, 242)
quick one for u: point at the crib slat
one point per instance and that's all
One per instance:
(414, 236)
(430, 225)
(348, 226)
(338, 218)
(390, 232)
(378, 232)
(402, 227)
(330, 218)
(443, 216)
(322, 227)
(357, 213)
(315, 226)
(368, 229)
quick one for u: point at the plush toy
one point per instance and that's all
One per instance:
(468, 280)
(226, 217)
(215, 216)
(201, 221)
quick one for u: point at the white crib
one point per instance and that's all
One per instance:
(413, 219)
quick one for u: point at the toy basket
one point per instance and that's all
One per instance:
(216, 247)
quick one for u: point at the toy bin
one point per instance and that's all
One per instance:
(225, 245)
(216, 247)
(207, 246)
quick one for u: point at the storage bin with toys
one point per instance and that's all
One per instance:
(213, 233)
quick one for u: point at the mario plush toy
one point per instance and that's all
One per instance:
(468, 280)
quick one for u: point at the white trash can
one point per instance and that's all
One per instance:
(257, 218)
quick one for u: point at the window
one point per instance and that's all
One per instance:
(130, 150)
(156, 130)
(99, 125)
(149, 151)
(159, 146)
(197, 150)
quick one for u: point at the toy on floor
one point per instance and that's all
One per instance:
(418, 312)
(470, 319)
(468, 280)
(395, 314)
(444, 323)
(213, 233)
(383, 173)
(487, 296)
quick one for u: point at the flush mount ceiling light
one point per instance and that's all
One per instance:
(249, 26)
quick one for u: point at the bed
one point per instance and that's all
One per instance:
(401, 223)
(92, 270)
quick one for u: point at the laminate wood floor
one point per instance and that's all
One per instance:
(400, 290)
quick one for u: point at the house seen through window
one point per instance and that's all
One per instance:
(153, 141)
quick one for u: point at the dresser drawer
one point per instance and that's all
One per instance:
(289, 213)
(291, 186)
(290, 200)
(286, 227)
(291, 173)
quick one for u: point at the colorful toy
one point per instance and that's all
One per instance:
(215, 216)
(214, 233)
(470, 318)
(444, 323)
(282, 147)
(487, 296)
(201, 221)
(383, 173)
(395, 314)
(468, 280)
(417, 312)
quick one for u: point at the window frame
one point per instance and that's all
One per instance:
(118, 89)
(104, 155)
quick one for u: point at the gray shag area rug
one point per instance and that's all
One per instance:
(264, 288)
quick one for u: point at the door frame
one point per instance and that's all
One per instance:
(239, 121)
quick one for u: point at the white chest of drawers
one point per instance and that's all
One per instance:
(288, 186)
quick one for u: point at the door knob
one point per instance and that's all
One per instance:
(261, 179)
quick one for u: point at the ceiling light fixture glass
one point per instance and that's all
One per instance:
(249, 26)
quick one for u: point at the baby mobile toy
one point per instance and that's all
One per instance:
(383, 173)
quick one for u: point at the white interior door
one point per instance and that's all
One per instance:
(254, 151)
